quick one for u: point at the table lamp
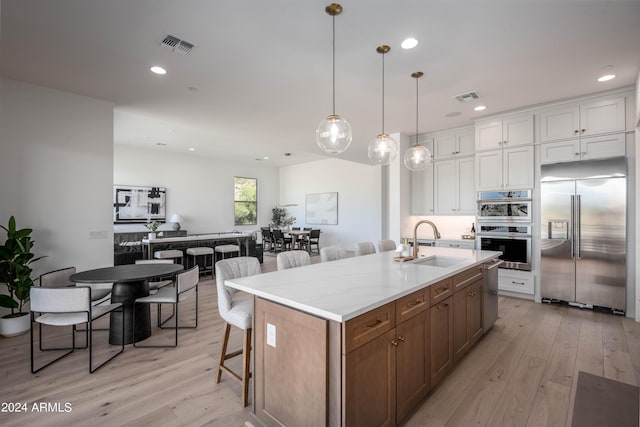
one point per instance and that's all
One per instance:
(176, 219)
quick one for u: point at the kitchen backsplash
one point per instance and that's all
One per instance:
(450, 227)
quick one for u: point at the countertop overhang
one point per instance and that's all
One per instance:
(341, 290)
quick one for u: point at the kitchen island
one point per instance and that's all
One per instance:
(361, 341)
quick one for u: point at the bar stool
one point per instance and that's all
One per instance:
(174, 254)
(227, 249)
(203, 251)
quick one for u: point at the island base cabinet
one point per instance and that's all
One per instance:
(441, 349)
(370, 383)
(291, 367)
(467, 315)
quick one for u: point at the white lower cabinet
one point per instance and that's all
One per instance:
(597, 147)
(507, 169)
(516, 281)
(454, 188)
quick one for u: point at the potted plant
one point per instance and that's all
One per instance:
(153, 226)
(15, 272)
(279, 218)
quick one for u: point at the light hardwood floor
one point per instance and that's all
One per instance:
(522, 373)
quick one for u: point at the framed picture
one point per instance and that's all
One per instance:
(138, 204)
(321, 208)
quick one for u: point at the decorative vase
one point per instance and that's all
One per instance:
(14, 326)
(152, 236)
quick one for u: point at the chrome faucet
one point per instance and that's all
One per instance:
(436, 234)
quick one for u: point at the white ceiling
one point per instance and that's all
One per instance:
(262, 70)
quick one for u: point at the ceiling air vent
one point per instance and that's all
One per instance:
(176, 45)
(465, 97)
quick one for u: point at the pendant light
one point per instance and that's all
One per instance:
(417, 157)
(334, 133)
(383, 149)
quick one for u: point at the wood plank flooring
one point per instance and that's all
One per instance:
(523, 372)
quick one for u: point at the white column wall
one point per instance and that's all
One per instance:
(359, 189)
(200, 189)
(56, 173)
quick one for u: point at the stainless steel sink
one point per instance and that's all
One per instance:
(439, 261)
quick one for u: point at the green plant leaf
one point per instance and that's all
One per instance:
(7, 302)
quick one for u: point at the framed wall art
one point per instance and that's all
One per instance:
(138, 204)
(321, 208)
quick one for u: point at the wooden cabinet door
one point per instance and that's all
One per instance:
(466, 186)
(460, 322)
(489, 135)
(559, 123)
(517, 168)
(412, 369)
(441, 339)
(370, 383)
(489, 170)
(517, 131)
(422, 191)
(602, 116)
(474, 311)
(445, 187)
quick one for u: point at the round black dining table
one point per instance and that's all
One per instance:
(130, 281)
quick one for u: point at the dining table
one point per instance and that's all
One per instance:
(130, 281)
(296, 237)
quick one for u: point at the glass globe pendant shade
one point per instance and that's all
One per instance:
(383, 150)
(334, 134)
(417, 157)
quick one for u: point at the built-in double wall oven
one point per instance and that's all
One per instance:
(504, 224)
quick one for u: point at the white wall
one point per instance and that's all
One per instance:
(56, 173)
(359, 198)
(200, 189)
(637, 198)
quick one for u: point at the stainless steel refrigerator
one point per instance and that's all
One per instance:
(583, 233)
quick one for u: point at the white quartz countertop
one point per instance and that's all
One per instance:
(341, 290)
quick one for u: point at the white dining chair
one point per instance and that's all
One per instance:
(365, 248)
(332, 253)
(292, 259)
(386, 245)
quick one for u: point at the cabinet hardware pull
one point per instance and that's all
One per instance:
(401, 338)
(374, 324)
(576, 131)
(577, 154)
(504, 142)
(443, 306)
(394, 342)
(442, 290)
(584, 130)
(517, 283)
(414, 303)
(470, 293)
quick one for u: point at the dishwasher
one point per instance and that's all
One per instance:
(490, 294)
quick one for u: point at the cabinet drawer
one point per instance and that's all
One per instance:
(412, 304)
(516, 281)
(362, 329)
(466, 278)
(441, 290)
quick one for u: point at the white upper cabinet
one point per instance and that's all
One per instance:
(457, 143)
(454, 189)
(595, 147)
(508, 132)
(422, 191)
(507, 169)
(581, 119)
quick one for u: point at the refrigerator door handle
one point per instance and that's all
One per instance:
(573, 225)
(578, 227)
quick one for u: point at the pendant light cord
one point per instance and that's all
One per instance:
(333, 47)
(383, 93)
(417, 78)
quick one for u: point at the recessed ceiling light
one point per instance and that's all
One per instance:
(161, 144)
(409, 43)
(192, 149)
(480, 107)
(265, 158)
(158, 70)
(606, 77)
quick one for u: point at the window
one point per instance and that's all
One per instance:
(245, 201)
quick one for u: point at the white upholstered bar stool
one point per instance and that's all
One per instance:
(332, 253)
(386, 245)
(236, 309)
(174, 254)
(204, 252)
(365, 248)
(227, 249)
(292, 259)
